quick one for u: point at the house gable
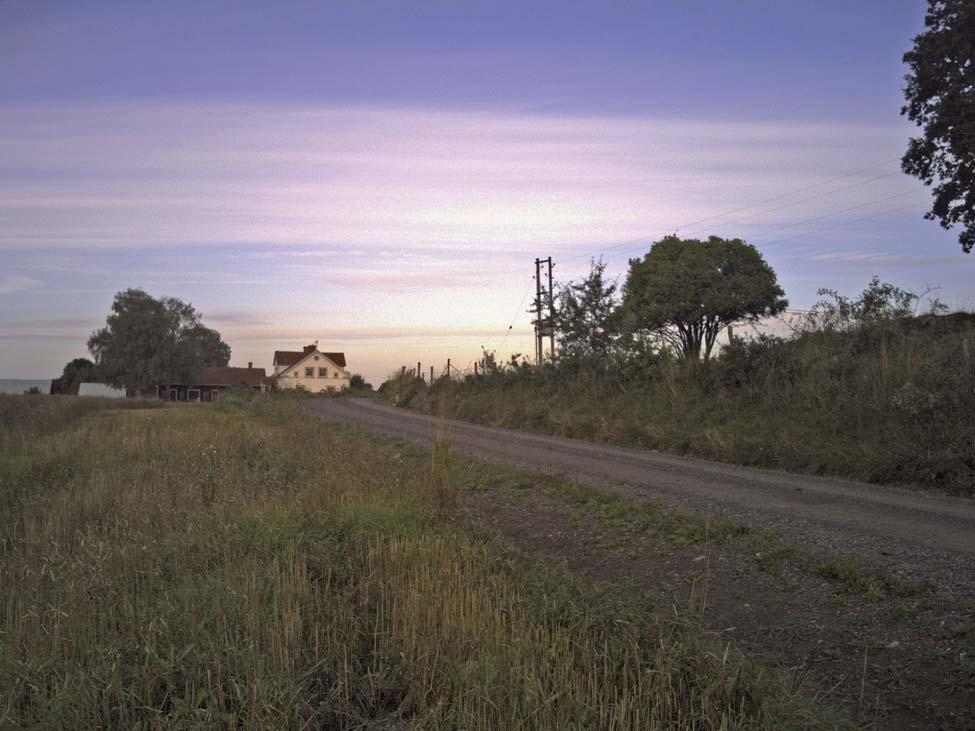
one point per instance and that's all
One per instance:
(312, 357)
(293, 357)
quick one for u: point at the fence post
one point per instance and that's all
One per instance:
(475, 367)
(431, 375)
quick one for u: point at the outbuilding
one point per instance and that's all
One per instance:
(212, 380)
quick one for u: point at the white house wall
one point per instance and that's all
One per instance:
(336, 378)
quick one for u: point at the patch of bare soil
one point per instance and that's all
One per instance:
(895, 663)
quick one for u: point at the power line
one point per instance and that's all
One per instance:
(844, 223)
(517, 313)
(802, 200)
(791, 193)
(642, 241)
(839, 212)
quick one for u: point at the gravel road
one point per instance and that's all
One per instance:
(921, 535)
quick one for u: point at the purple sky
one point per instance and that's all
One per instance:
(380, 176)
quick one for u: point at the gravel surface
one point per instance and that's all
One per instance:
(920, 536)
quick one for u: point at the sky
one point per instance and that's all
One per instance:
(380, 176)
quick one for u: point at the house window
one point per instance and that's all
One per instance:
(337, 374)
(323, 372)
(309, 372)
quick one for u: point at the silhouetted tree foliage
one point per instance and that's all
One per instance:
(584, 314)
(940, 95)
(76, 372)
(685, 291)
(358, 383)
(879, 302)
(147, 341)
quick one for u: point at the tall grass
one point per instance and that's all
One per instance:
(893, 402)
(24, 418)
(253, 567)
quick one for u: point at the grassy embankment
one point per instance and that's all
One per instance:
(890, 403)
(247, 565)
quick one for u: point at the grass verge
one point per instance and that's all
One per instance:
(889, 404)
(628, 516)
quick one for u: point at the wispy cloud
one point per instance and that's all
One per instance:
(144, 174)
(365, 226)
(12, 284)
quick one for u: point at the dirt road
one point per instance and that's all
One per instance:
(874, 521)
(813, 629)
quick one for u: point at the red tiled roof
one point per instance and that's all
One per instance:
(290, 357)
(229, 376)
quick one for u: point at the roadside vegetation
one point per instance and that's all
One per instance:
(245, 564)
(876, 388)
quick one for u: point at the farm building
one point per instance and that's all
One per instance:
(311, 369)
(212, 380)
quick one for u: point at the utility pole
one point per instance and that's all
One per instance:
(544, 323)
(551, 312)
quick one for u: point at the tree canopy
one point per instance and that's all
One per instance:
(940, 94)
(147, 341)
(76, 372)
(584, 314)
(687, 290)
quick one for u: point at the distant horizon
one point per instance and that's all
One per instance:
(381, 178)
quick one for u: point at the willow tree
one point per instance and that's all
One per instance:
(148, 341)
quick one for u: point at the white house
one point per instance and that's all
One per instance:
(311, 369)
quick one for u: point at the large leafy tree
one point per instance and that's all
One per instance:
(147, 341)
(685, 291)
(940, 96)
(584, 314)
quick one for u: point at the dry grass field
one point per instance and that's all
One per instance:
(244, 565)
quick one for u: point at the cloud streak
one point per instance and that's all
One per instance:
(404, 233)
(144, 174)
(11, 284)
